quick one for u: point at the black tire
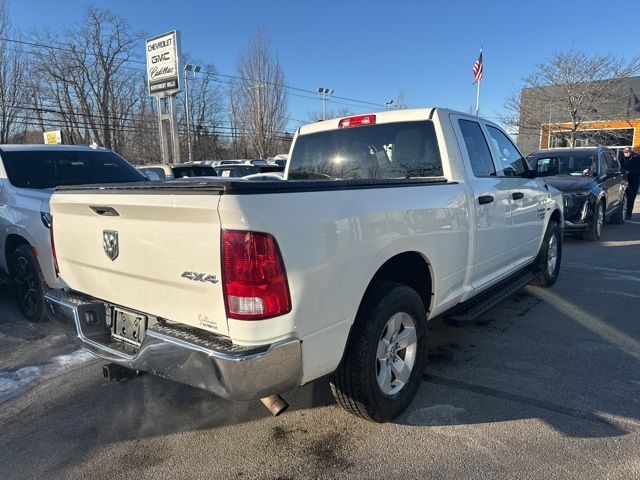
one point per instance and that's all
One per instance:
(618, 218)
(30, 285)
(595, 228)
(549, 275)
(355, 382)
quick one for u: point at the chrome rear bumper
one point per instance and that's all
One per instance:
(185, 355)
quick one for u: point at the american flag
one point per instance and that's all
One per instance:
(477, 69)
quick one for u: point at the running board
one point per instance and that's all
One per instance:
(463, 314)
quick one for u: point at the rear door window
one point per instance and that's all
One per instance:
(477, 149)
(383, 151)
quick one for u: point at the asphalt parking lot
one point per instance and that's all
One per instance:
(544, 385)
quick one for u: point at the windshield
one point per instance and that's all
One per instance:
(564, 164)
(384, 151)
(52, 168)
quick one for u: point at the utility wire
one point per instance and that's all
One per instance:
(206, 71)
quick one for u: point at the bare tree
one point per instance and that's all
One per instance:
(339, 113)
(85, 73)
(13, 95)
(205, 108)
(260, 97)
(569, 89)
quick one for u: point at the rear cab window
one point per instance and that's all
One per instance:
(399, 150)
(52, 168)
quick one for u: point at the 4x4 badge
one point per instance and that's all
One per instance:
(199, 277)
(110, 244)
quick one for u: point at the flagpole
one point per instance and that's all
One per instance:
(478, 82)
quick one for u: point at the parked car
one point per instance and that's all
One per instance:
(592, 185)
(247, 168)
(163, 172)
(28, 175)
(249, 289)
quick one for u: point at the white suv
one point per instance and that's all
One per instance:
(28, 175)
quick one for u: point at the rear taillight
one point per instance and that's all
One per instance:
(357, 121)
(253, 278)
(53, 246)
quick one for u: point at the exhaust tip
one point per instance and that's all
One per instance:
(275, 404)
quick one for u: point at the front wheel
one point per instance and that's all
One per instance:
(549, 257)
(386, 354)
(29, 284)
(618, 218)
(595, 229)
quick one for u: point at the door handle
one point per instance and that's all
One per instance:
(484, 199)
(517, 195)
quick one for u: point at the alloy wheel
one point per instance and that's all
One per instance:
(552, 255)
(396, 353)
(600, 220)
(27, 286)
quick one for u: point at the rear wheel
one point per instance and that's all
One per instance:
(385, 358)
(619, 217)
(549, 257)
(29, 284)
(595, 229)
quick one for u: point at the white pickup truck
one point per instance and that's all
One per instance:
(249, 289)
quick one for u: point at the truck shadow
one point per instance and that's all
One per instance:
(569, 355)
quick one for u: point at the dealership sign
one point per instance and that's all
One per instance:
(53, 137)
(163, 75)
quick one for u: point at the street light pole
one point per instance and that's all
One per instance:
(324, 93)
(188, 68)
(387, 104)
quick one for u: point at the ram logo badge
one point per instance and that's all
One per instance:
(110, 244)
(199, 277)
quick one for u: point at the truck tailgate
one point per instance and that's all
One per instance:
(168, 253)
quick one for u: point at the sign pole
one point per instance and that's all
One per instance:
(163, 81)
(175, 138)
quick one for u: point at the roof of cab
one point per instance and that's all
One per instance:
(387, 116)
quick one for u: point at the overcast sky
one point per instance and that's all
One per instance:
(374, 50)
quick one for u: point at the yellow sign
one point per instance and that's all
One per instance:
(53, 137)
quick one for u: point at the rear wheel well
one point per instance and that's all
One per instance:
(410, 269)
(13, 242)
(555, 217)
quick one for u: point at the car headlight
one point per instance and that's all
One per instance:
(575, 197)
(576, 204)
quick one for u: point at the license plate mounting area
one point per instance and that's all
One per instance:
(128, 326)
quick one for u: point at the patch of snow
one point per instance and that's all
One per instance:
(15, 382)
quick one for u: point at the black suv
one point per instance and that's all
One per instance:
(591, 183)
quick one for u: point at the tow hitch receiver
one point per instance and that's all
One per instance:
(112, 371)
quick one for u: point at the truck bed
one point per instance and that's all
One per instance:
(219, 186)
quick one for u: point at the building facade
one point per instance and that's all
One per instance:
(615, 123)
